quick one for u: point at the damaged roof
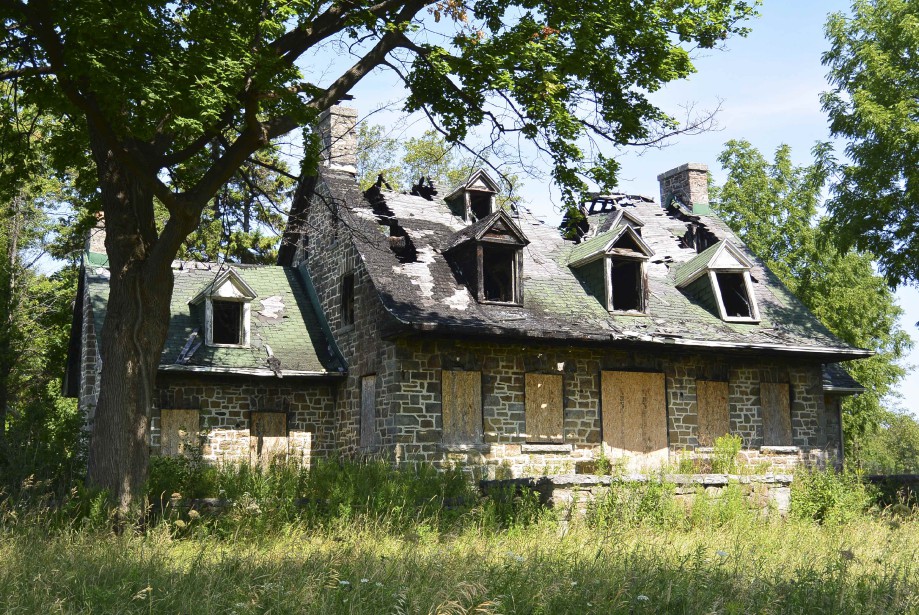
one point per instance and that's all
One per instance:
(282, 318)
(426, 293)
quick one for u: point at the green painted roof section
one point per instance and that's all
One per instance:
(593, 246)
(294, 333)
(696, 264)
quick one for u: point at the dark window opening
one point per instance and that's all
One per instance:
(479, 204)
(734, 295)
(499, 268)
(457, 206)
(347, 299)
(228, 317)
(627, 287)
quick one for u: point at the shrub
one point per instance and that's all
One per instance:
(724, 455)
(828, 496)
(634, 504)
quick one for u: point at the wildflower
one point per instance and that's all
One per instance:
(642, 598)
(345, 585)
(193, 514)
(365, 580)
(180, 524)
(378, 584)
(574, 583)
(721, 553)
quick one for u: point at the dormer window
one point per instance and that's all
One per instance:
(488, 257)
(613, 266)
(227, 300)
(227, 322)
(720, 277)
(474, 199)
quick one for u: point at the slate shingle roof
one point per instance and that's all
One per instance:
(295, 333)
(427, 294)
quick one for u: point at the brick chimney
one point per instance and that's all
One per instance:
(339, 140)
(689, 184)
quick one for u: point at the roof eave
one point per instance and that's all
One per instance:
(249, 371)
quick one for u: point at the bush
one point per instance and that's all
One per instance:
(634, 504)
(828, 496)
(724, 455)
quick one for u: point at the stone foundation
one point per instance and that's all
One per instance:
(574, 492)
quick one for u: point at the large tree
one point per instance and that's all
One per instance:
(147, 87)
(874, 107)
(773, 207)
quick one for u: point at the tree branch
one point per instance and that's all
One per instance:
(27, 71)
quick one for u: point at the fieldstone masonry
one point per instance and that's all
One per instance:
(688, 183)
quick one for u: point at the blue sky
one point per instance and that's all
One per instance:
(768, 86)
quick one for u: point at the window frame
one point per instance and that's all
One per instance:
(245, 321)
(627, 255)
(516, 272)
(719, 299)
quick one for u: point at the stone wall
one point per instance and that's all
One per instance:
(226, 407)
(573, 493)
(328, 255)
(505, 452)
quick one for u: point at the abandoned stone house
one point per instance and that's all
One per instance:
(437, 327)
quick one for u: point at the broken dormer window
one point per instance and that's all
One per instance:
(480, 203)
(487, 257)
(613, 268)
(628, 284)
(227, 302)
(227, 323)
(735, 294)
(719, 279)
(499, 273)
(474, 199)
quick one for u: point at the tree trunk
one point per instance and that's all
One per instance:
(134, 331)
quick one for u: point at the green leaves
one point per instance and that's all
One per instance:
(874, 106)
(773, 207)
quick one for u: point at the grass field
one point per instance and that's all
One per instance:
(867, 566)
(366, 538)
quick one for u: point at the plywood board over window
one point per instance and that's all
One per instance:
(712, 408)
(268, 437)
(635, 416)
(461, 394)
(544, 408)
(178, 431)
(368, 410)
(776, 405)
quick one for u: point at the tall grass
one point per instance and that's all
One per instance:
(367, 538)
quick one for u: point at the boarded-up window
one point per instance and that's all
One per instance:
(776, 402)
(178, 431)
(635, 414)
(544, 408)
(461, 394)
(368, 410)
(712, 406)
(268, 437)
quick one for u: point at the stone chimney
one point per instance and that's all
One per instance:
(689, 184)
(339, 139)
(95, 240)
